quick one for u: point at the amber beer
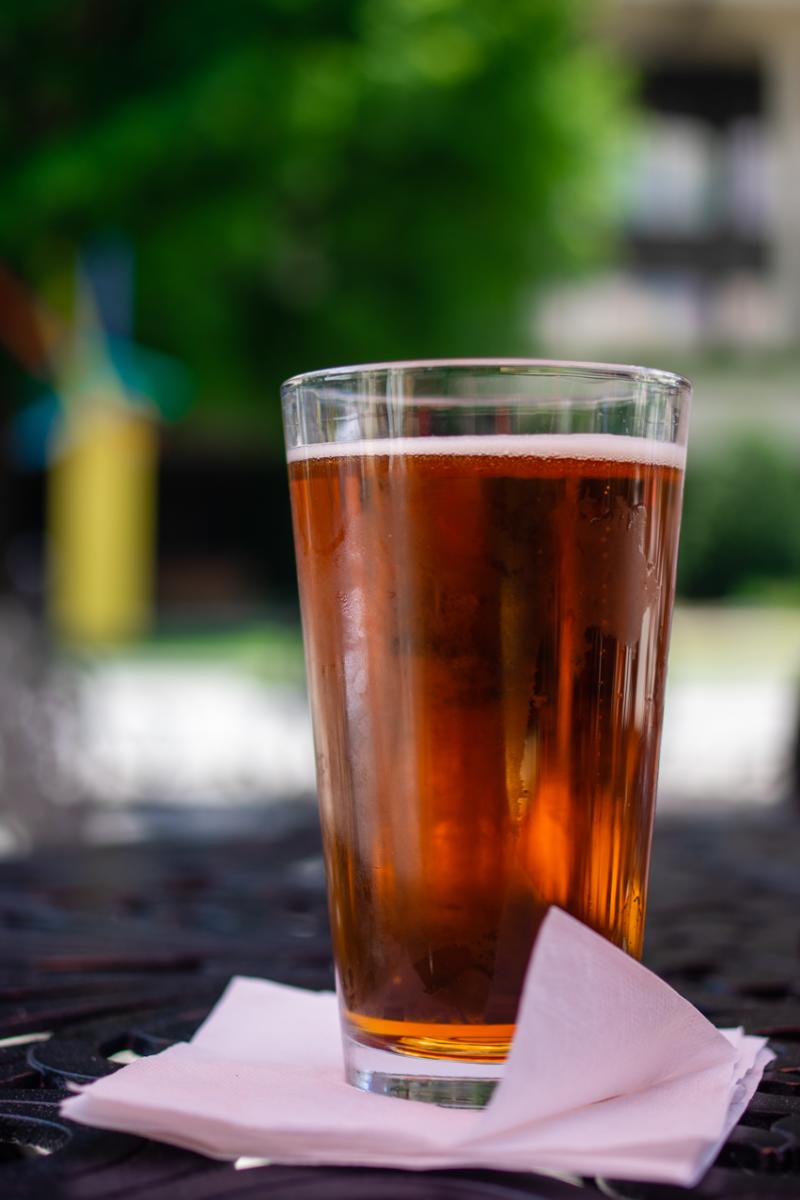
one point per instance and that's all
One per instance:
(486, 625)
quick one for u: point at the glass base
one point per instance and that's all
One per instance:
(448, 1084)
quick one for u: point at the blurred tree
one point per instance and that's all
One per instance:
(306, 182)
(740, 532)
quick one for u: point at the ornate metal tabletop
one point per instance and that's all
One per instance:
(112, 950)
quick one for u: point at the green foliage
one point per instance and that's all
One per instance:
(741, 535)
(307, 182)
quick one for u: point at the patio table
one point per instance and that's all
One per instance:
(104, 951)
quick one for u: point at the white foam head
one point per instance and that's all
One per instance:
(593, 447)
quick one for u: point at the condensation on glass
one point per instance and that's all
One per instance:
(486, 554)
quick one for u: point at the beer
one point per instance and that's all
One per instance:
(486, 624)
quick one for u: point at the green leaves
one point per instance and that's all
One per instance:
(310, 182)
(740, 529)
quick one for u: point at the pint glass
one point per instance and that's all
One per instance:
(486, 554)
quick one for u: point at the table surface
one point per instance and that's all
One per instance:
(126, 948)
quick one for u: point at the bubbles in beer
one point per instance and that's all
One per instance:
(487, 729)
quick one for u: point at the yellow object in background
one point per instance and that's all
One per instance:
(101, 501)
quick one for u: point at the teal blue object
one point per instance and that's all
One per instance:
(30, 432)
(149, 379)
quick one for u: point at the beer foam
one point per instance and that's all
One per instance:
(594, 447)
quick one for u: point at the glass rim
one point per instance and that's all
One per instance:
(530, 366)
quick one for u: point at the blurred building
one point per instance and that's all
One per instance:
(709, 185)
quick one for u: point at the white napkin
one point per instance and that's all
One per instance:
(611, 1073)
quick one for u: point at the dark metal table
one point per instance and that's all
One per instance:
(103, 951)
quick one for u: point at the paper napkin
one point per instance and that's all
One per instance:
(611, 1073)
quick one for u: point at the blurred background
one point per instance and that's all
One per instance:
(199, 200)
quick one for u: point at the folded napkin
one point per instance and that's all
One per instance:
(611, 1073)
